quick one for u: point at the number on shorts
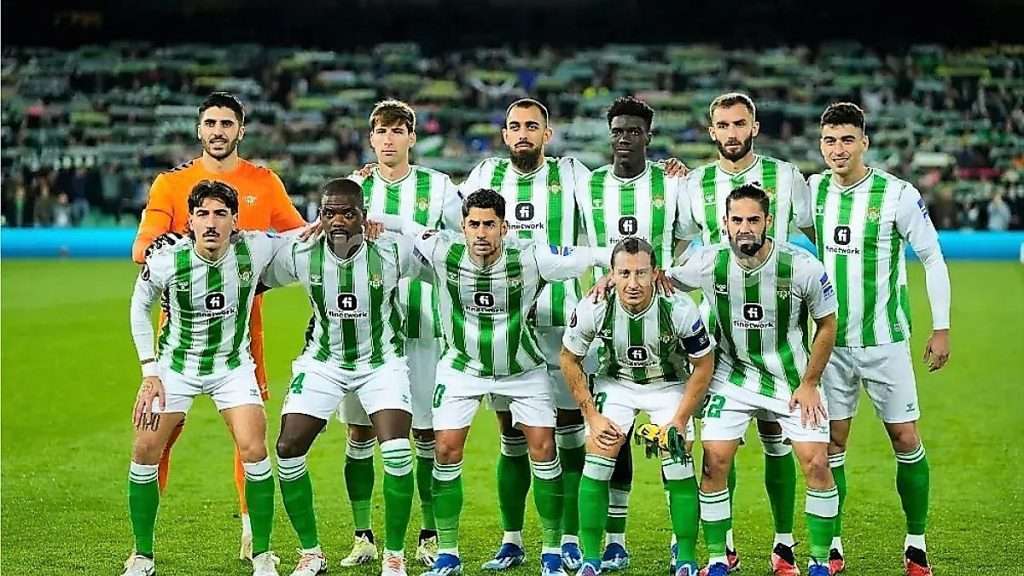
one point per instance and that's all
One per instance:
(438, 395)
(715, 406)
(599, 399)
(296, 386)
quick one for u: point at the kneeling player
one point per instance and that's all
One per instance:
(645, 340)
(354, 345)
(760, 291)
(208, 282)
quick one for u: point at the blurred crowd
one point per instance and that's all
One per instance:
(84, 132)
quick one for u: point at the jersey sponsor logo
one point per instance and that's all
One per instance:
(628, 225)
(485, 303)
(524, 211)
(841, 235)
(348, 307)
(347, 302)
(215, 304)
(753, 318)
(637, 356)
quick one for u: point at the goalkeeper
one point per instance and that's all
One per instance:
(645, 341)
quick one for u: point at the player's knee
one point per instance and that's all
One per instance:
(816, 469)
(542, 449)
(716, 464)
(904, 437)
(290, 447)
(423, 434)
(447, 452)
(361, 433)
(252, 450)
(146, 450)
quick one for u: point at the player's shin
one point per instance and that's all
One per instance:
(259, 492)
(549, 499)
(597, 471)
(359, 478)
(715, 516)
(424, 471)
(513, 482)
(297, 494)
(570, 441)
(780, 483)
(143, 502)
(912, 483)
(447, 488)
(399, 486)
(683, 507)
(822, 508)
(618, 494)
(837, 462)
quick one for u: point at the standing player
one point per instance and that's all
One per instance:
(762, 292)
(645, 342)
(427, 197)
(733, 127)
(862, 218)
(540, 192)
(354, 349)
(631, 197)
(208, 284)
(263, 205)
(487, 286)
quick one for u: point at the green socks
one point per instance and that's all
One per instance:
(399, 486)
(424, 472)
(571, 441)
(359, 477)
(597, 470)
(513, 482)
(683, 507)
(912, 479)
(780, 481)
(297, 493)
(143, 502)
(549, 499)
(259, 494)
(716, 517)
(447, 489)
(821, 510)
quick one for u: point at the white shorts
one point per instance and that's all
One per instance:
(729, 409)
(230, 389)
(887, 373)
(423, 355)
(550, 340)
(457, 396)
(317, 390)
(621, 401)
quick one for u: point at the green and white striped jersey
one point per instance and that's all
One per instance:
(484, 310)
(702, 206)
(860, 232)
(650, 347)
(541, 206)
(643, 206)
(429, 198)
(207, 304)
(760, 316)
(357, 322)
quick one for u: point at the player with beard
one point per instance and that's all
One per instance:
(762, 291)
(733, 127)
(263, 204)
(631, 197)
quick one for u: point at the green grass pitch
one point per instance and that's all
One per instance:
(70, 377)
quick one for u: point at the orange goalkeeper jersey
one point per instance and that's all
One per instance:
(263, 203)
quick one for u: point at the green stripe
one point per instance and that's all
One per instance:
(524, 193)
(769, 179)
(498, 176)
(555, 199)
(707, 184)
(658, 216)
(607, 356)
(368, 191)
(722, 308)
(214, 324)
(897, 294)
(376, 281)
(392, 199)
(452, 261)
(819, 218)
(752, 295)
(870, 260)
(784, 273)
(485, 328)
(316, 289)
(514, 273)
(349, 331)
(183, 277)
(842, 274)
(597, 202)
(245, 287)
(636, 338)
(421, 215)
(667, 346)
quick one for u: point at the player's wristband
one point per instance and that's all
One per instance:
(150, 368)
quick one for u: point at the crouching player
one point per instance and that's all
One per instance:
(646, 340)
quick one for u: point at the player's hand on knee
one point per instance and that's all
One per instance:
(936, 352)
(602, 287)
(674, 168)
(808, 398)
(605, 433)
(150, 392)
(162, 241)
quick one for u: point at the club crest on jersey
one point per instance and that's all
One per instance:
(782, 290)
(376, 281)
(250, 200)
(721, 288)
(315, 279)
(874, 214)
(245, 277)
(422, 204)
(665, 337)
(709, 197)
(555, 188)
(659, 202)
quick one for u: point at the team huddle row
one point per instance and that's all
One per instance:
(404, 268)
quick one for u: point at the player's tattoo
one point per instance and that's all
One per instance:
(151, 422)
